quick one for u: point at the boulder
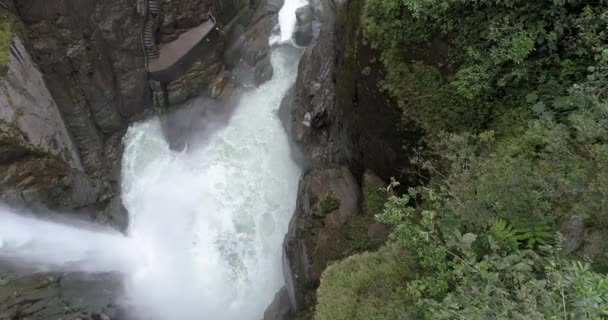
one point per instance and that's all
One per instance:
(304, 14)
(303, 35)
(262, 71)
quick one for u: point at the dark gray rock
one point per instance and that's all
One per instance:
(248, 51)
(90, 55)
(303, 35)
(262, 71)
(280, 308)
(304, 14)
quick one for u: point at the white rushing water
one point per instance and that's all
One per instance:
(210, 221)
(206, 224)
(51, 246)
(287, 21)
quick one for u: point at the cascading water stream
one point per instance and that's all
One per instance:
(206, 225)
(210, 221)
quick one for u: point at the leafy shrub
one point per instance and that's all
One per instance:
(524, 284)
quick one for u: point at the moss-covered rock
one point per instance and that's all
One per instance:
(327, 204)
(6, 35)
(364, 286)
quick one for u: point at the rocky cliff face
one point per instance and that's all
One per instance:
(39, 163)
(343, 125)
(40, 166)
(89, 53)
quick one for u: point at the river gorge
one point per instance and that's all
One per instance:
(219, 187)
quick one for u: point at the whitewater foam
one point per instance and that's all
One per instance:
(287, 22)
(210, 221)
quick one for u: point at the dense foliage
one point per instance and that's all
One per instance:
(511, 98)
(461, 65)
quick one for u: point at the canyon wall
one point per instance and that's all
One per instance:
(343, 126)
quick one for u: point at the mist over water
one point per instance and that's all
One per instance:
(47, 246)
(206, 224)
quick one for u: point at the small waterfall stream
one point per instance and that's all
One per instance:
(206, 224)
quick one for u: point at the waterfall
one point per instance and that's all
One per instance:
(46, 246)
(206, 224)
(210, 221)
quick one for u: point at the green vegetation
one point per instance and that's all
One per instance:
(511, 99)
(468, 65)
(6, 35)
(327, 204)
(374, 198)
(362, 286)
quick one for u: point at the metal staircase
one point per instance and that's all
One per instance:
(152, 18)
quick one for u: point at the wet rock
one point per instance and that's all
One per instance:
(280, 308)
(71, 296)
(303, 35)
(115, 214)
(251, 47)
(221, 81)
(200, 76)
(262, 71)
(304, 14)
